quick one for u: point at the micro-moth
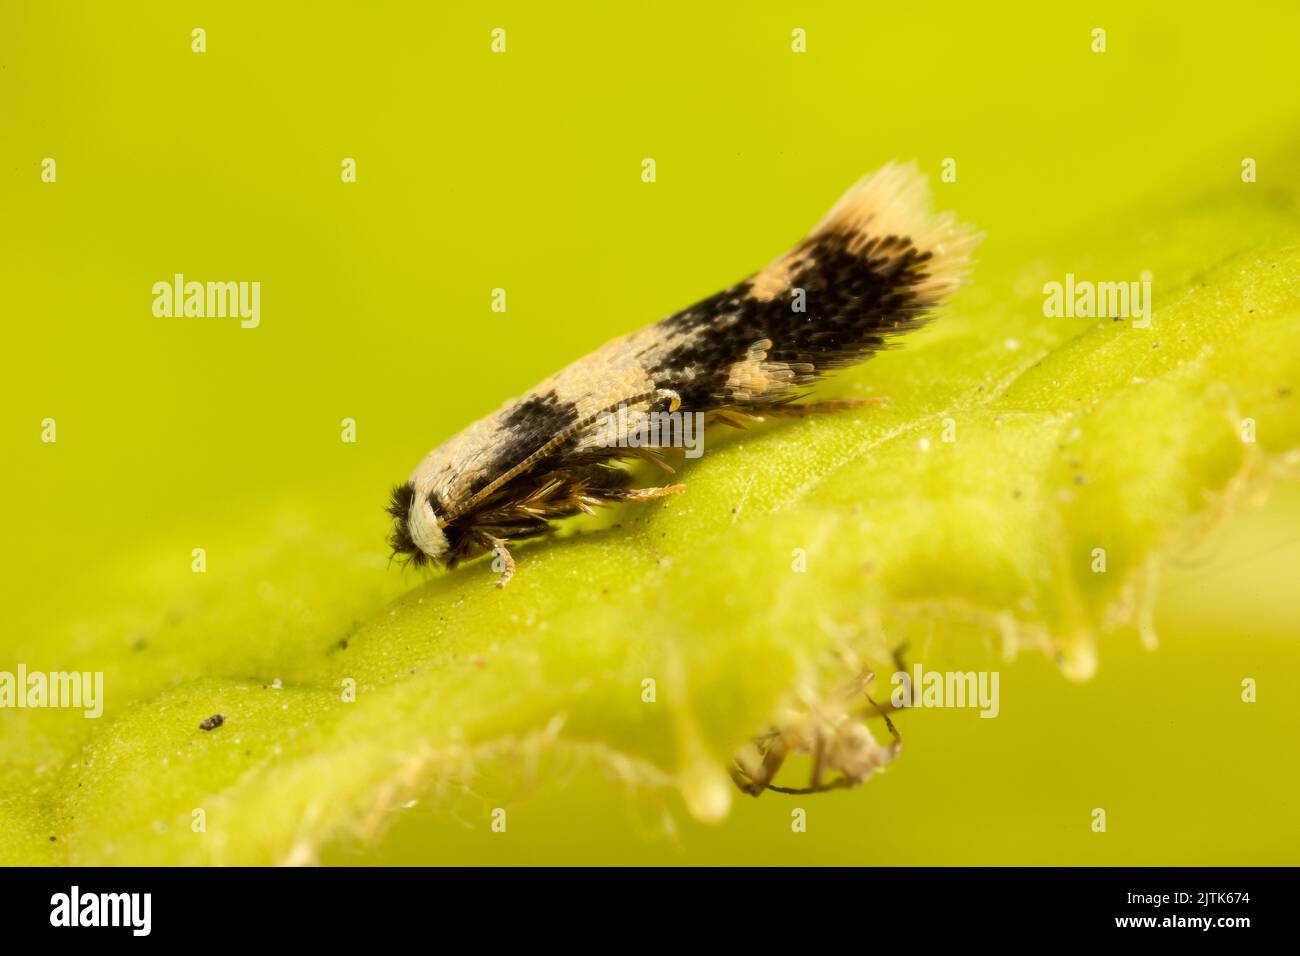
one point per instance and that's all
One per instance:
(877, 265)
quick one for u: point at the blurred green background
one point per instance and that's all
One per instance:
(522, 171)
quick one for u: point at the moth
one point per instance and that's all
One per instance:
(876, 266)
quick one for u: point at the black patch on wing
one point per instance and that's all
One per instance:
(529, 426)
(854, 297)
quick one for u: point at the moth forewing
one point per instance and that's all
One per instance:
(877, 265)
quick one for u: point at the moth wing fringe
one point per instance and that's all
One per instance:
(895, 201)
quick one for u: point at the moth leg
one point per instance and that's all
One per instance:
(735, 418)
(816, 408)
(645, 494)
(653, 456)
(499, 550)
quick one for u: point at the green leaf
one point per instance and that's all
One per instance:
(1013, 450)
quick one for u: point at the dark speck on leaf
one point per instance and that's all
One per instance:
(213, 722)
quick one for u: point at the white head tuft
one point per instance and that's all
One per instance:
(423, 525)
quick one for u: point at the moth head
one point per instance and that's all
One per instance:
(416, 533)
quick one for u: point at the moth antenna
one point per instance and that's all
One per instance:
(550, 446)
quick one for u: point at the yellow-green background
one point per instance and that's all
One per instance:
(523, 171)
